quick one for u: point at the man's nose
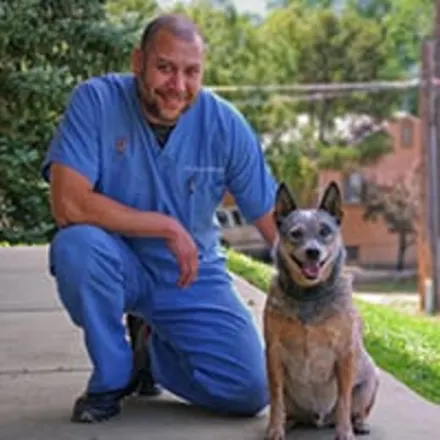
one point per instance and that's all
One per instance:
(178, 82)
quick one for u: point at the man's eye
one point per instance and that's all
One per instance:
(193, 72)
(166, 68)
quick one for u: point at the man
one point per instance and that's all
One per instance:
(136, 169)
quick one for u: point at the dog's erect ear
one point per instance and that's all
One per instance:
(284, 203)
(332, 201)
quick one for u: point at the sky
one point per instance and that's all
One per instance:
(254, 6)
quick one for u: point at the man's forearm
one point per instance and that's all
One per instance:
(267, 228)
(99, 210)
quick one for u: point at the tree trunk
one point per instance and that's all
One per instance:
(401, 250)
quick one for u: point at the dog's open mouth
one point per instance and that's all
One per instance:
(310, 268)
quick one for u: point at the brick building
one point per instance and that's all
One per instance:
(370, 243)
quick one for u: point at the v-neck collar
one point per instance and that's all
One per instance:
(169, 148)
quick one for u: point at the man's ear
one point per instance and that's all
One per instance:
(137, 61)
(331, 201)
(284, 203)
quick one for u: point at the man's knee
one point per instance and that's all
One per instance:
(72, 241)
(246, 397)
(77, 255)
(254, 394)
(237, 386)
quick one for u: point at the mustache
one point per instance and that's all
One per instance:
(164, 92)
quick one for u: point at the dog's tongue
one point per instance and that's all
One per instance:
(311, 269)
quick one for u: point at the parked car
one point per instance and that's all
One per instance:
(239, 235)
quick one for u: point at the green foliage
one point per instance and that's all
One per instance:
(46, 48)
(321, 45)
(339, 158)
(294, 165)
(373, 147)
(133, 13)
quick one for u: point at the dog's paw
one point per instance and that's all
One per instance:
(275, 432)
(361, 428)
(346, 434)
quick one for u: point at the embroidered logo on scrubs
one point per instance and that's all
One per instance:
(121, 144)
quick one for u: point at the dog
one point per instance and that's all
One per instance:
(319, 371)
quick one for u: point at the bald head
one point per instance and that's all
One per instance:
(178, 25)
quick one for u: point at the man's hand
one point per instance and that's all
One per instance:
(183, 247)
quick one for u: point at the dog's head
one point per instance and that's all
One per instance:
(309, 240)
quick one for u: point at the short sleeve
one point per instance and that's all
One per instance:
(75, 142)
(249, 178)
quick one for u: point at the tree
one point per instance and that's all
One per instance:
(397, 205)
(294, 162)
(315, 45)
(46, 48)
(406, 23)
(320, 45)
(131, 12)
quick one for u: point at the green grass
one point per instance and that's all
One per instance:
(405, 286)
(406, 346)
(7, 244)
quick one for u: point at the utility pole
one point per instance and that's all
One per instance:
(429, 227)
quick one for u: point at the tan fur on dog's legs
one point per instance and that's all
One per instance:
(364, 397)
(277, 421)
(344, 374)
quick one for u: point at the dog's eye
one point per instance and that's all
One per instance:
(296, 234)
(325, 231)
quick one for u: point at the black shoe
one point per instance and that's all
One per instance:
(96, 407)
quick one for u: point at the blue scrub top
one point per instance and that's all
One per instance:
(104, 136)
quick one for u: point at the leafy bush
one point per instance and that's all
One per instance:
(46, 48)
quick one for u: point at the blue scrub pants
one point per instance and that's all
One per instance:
(205, 347)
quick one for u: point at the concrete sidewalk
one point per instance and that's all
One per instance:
(43, 367)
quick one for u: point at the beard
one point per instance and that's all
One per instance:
(150, 102)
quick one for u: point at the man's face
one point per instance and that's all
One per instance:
(169, 75)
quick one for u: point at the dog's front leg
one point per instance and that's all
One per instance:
(277, 419)
(344, 376)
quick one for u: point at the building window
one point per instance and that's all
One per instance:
(353, 188)
(407, 136)
(352, 253)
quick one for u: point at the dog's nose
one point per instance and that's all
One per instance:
(313, 253)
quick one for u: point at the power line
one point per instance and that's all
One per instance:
(320, 87)
(282, 99)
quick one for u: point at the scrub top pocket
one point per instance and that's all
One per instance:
(205, 189)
